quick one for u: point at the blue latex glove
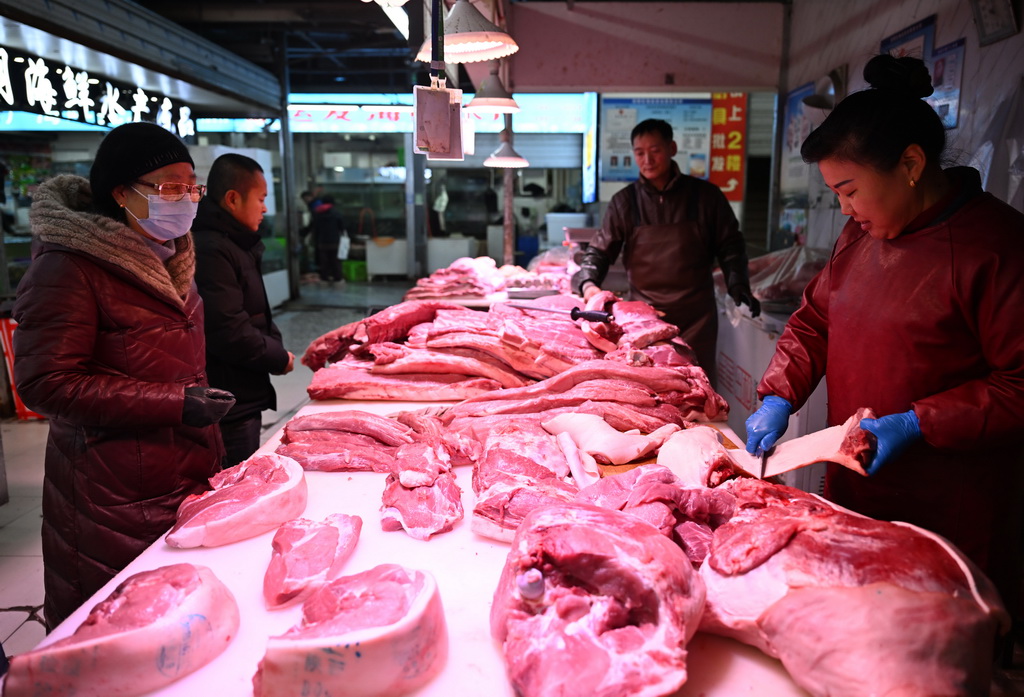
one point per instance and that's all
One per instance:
(766, 425)
(895, 433)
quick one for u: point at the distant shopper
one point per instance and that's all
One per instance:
(670, 229)
(243, 346)
(110, 347)
(327, 227)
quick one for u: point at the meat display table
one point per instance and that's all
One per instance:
(466, 567)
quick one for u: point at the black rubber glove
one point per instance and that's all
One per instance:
(205, 405)
(742, 295)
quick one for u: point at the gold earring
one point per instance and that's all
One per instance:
(912, 183)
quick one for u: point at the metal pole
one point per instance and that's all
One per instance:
(508, 249)
(292, 213)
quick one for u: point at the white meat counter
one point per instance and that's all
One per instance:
(466, 567)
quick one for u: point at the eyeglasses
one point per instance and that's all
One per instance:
(175, 191)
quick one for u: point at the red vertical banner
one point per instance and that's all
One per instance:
(729, 143)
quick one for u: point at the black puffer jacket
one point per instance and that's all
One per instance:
(108, 338)
(243, 346)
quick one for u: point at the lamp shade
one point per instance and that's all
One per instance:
(506, 157)
(828, 90)
(492, 98)
(469, 37)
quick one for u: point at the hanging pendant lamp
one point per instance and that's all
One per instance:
(492, 98)
(469, 37)
(505, 157)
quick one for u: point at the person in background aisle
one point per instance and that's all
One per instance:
(917, 316)
(110, 348)
(670, 228)
(243, 346)
(327, 227)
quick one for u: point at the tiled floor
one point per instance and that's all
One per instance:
(319, 310)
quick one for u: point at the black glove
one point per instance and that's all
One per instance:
(205, 405)
(742, 295)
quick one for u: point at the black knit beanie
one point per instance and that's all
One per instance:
(128, 152)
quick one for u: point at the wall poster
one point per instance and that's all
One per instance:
(947, 73)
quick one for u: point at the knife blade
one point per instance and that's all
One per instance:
(575, 313)
(764, 464)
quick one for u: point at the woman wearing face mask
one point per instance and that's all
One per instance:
(918, 316)
(110, 347)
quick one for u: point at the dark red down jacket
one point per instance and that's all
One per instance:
(930, 320)
(108, 337)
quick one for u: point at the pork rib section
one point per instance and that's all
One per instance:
(306, 555)
(595, 603)
(379, 633)
(849, 604)
(156, 627)
(249, 499)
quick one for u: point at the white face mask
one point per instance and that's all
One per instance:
(167, 220)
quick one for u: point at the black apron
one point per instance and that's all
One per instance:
(669, 267)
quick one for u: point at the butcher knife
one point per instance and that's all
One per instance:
(574, 313)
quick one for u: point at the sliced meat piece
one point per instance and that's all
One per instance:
(156, 627)
(249, 499)
(342, 382)
(387, 431)
(587, 586)
(306, 555)
(379, 633)
(641, 324)
(421, 511)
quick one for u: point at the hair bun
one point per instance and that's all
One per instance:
(904, 75)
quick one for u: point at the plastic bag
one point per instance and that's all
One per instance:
(343, 246)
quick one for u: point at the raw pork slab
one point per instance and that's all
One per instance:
(595, 603)
(379, 633)
(847, 445)
(306, 555)
(850, 605)
(249, 499)
(156, 627)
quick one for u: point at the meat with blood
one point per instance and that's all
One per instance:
(378, 633)
(249, 499)
(306, 555)
(587, 586)
(155, 628)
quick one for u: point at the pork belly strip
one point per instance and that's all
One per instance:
(382, 428)
(683, 384)
(342, 382)
(387, 325)
(396, 359)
